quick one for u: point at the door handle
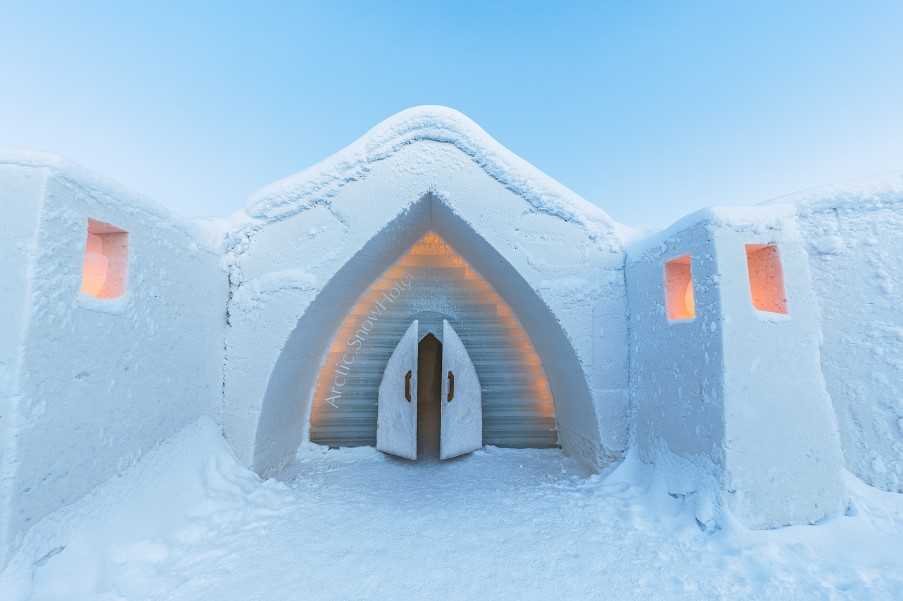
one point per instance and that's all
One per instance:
(407, 386)
(451, 386)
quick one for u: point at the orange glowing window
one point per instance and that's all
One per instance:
(766, 278)
(679, 299)
(105, 266)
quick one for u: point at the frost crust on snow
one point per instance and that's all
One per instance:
(317, 185)
(854, 237)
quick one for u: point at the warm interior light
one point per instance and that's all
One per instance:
(766, 278)
(689, 299)
(94, 273)
(105, 261)
(680, 300)
(433, 251)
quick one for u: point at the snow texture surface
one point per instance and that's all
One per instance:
(315, 186)
(854, 239)
(91, 384)
(189, 523)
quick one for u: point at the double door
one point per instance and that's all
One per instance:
(461, 412)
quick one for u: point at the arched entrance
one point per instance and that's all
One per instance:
(286, 411)
(431, 283)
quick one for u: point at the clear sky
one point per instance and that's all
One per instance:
(649, 109)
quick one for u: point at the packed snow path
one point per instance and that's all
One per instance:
(187, 523)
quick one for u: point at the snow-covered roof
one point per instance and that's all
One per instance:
(865, 194)
(718, 216)
(317, 184)
(109, 190)
(85, 179)
(869, 193)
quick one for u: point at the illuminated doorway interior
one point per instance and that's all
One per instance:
(432, 282)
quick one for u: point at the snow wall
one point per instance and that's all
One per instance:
(855, 242)
(733, 399)
(102, 379)
(308, 246)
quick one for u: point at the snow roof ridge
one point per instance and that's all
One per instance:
(315, 185)
(103, 187)
(84, 178)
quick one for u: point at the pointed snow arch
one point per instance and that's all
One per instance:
(282, 424)
(433, 284)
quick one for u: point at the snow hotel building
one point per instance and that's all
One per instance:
(428, 292)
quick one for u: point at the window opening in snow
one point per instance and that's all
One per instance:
(766, 278)
(679, 298)
(105, 265)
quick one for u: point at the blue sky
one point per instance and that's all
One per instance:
(650, 110)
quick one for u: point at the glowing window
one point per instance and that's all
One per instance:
(105, 267)
(766, 278)
(679, 298)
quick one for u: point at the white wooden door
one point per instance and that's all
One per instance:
(396, 412)
(462, 399)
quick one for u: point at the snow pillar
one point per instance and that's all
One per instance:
(735, 388)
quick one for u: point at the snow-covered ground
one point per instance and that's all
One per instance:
(188, 523)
